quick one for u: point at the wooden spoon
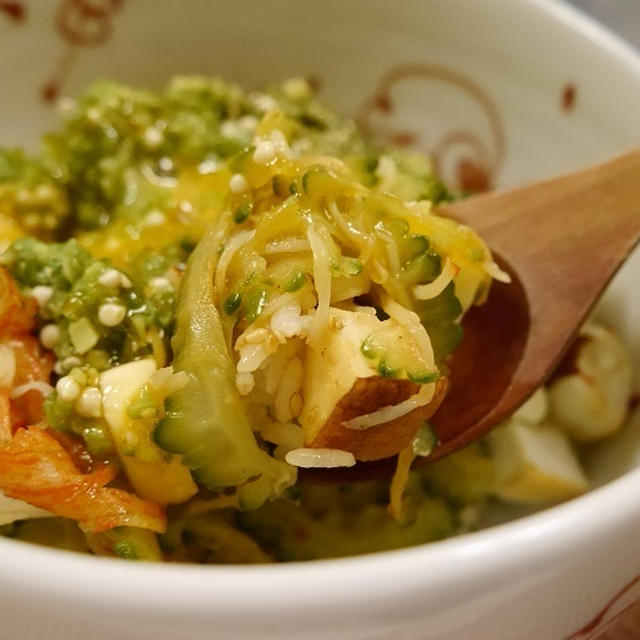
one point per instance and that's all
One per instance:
(561, 241)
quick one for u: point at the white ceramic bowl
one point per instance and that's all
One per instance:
(531, 88)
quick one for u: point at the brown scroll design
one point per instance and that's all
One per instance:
(614, 610)
(15, 11)
(479, 163)
(81, 23)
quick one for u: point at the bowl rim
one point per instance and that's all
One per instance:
(352, 583)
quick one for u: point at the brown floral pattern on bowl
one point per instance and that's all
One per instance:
(80, 23)
(478, 160)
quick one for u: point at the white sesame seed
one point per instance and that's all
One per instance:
(238, 183)
(42, 294)
(301, 146)
(110, 278)
(49, 335)
(264, 102)
(23, 196)
(70, 362)
(249, 123)
(68, 389)
(279, 141)
(230, 129)
(45, 192)
(154, 218)
(165, 164)
(208, 166)
(265, 152)
(125, 283)
(89, 404)
(111, 314)
(245, 383)
(185, 206)
(297, 89)
(93, 114)
(65, 105)
(152, 137)
(159, 283)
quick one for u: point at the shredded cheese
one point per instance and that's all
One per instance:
(392, 412)
(233, 246)
(496, 272)
(411, 322)
(399, 484)
(435, 288)
(291, 244)
(322, 279)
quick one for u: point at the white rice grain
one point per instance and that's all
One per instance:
(320, 458)
(290, 384)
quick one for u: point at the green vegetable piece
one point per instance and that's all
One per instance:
(422, 377)
(281, 186)
(296, 281)
(98, 440)
(254, 301)
(351, 267)
(83, 335)
(206, 420)
(369, 349)
(440, 318)
(232, 303)
(242, 212)
(125, 549)
(386, 370)
(422, 269)
(128, 543)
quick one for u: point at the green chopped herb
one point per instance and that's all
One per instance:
(232, 303)
(296, 281)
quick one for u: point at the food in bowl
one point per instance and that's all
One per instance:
(205, 290)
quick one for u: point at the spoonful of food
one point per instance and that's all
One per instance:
(561, 241)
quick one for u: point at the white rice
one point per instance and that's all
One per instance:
(287, 322)
(320, 458)
(285, 434)
(290, 384)
(252, 356)
(245, 383)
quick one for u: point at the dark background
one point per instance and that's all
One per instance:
(623, 16)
